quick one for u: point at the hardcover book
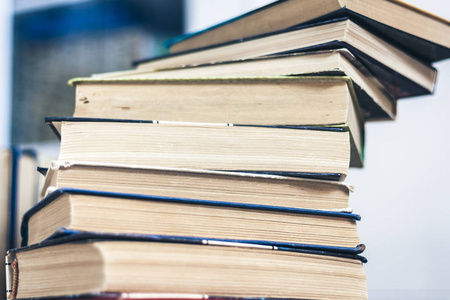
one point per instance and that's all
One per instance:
(146, 214)
(315, 152)
(412, 76)
(199, 184)
(309, 102)
(18, 185)
(77, 263)
(19, 192)
(411, 29)
(374, 100)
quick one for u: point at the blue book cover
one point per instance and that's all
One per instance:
(77, 238)
(63, 235)
(193, 204)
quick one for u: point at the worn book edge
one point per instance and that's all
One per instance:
(246, 206)
(62, 236)
(66, 164)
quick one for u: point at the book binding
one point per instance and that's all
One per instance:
(57, 193)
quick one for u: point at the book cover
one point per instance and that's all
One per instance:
(203, 184)
(56, 122)
(397, 84)
(275, 209)
(69, 237)
(426, 48)
(374, 100)
(18, 193)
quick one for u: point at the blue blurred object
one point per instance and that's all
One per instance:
(154, 15)
(54, 44)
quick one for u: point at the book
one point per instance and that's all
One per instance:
(72, 263)
(278, 101)
(18, 185)
(310, 100)
(374, 100)
(19, 191)
(412, 29)
(24, 189)
(147, 214)
(200, 184)
(412, 76)
(5, 190)
(315, 152)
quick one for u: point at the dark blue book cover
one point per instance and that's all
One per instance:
(99, 195)
(70, 237)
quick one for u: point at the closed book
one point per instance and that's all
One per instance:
(77, 263)
(414, 30)
(317, 101)
(18, 186)
(146, 214)
(315, 152)
(199, 184)
(402, 74)
(18, 182)
(374, 100)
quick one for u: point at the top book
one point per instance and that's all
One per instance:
(413, 30)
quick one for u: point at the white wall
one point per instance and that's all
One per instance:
(201, 14)
(402, 191)
(403, 199)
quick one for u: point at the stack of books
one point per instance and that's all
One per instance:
(218, 171)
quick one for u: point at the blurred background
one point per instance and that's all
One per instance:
(401, 193)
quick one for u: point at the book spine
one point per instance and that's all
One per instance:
(12, 275)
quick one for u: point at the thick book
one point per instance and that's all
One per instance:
(77, 263)
(147, 214)
(200, 184)
(312, 101)
(402, 74)
(374, 100)
(315, 152)
(411, 29)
